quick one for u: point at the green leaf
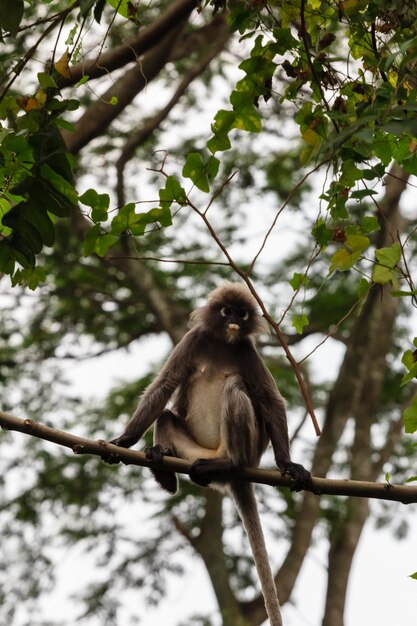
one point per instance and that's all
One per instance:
(412, 479)
(409, 361)
(98, 10)
(5, 207)
(199, 172)
(400, 294)
(99, 202)
(284, 40)
(128, 220)
(389, 257)
(343, 260)
(41, 221)
(410, 417)
(299, 322)
(29, 277)
(83, 80)
(174, 190)
(46, 81)
(223, 124)
(124, 220)
(86, 6)
(357, 243)
(161, 215)
(11, 13)
(370, 224)
(298, 280)
(21, 252)
(31, 236)
(363, 193)
(7, 261)
(321, 233)
(212, 168)
(90, 240)
(60, 183)
(122, 7)
(382, 275)
(104, 242)
(246, 115)
(69, 126)
(414, 576)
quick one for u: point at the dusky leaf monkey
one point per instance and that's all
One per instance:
(225, 408)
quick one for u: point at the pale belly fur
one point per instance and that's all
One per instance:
(203, 418)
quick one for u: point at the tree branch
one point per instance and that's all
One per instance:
(81, 445)
(101, 114)
(133, 48)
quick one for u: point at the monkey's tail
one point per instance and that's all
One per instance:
(244, 496)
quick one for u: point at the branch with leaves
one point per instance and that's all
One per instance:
(321, 486)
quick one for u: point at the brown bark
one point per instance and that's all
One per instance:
(129, 51)
(100, 115)
(172, 47)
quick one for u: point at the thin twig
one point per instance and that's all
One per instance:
(331, 332)
(320, 486)
(280, 210)
(162, 260)
(17, 70)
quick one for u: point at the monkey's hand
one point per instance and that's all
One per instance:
(204, 471)
(302, 477)
(124, 441)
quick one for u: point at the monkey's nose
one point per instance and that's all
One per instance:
(233, 328)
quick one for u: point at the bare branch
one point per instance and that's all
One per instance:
(101, 114)
(131, 49)
(81, 445)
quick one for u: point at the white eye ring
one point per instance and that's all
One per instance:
(225, 311)
(244, 315)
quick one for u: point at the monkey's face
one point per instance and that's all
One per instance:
(230, 315)
(234, 320)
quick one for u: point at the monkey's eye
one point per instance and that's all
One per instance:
(243, 314)
(225, 311)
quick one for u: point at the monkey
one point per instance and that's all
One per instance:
(225, 409)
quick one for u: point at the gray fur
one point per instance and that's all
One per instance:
(225, 410)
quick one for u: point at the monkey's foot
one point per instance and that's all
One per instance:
(302, 477)
(204, 471)
(157, 453)
(166, 479)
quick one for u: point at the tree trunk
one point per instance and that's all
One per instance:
(378, 325)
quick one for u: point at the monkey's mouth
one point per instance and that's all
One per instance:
(233, 331)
